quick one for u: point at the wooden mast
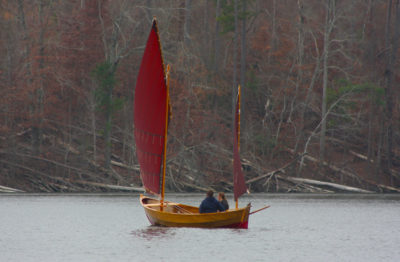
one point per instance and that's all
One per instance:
(165, 140)
(238, 132)
(166, 118)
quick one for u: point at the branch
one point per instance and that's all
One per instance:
(316, 128)
(5, 189)
(327, 184)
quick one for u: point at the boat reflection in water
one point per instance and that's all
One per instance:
(154, 232)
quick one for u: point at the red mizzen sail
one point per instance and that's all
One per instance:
(239, 185)
(150, 112)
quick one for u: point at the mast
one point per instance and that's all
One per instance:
(239, 184)
(164, 160)
(238, 131)
(238, 120)
(165, 140)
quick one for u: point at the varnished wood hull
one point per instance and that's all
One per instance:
(179, 215)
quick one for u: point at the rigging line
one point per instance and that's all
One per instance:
(183, 209)
(179, 207)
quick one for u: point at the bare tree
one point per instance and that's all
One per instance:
(243, 56)
(391, 43)
(187, 25)
(217, 37)
(117, 37)
(330, 17)
(235, 51)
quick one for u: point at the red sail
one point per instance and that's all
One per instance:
(239, 185)
(150, 113)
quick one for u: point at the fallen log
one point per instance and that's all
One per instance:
(5, 189)
(389, 188)
(331, 166)
(382, 188)
(120, 164)
(263, 176)
(56, 163)
(325, 184)
(195, 186)
(279, 170)
(393, 172)
(108, 186)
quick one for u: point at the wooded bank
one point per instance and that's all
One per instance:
(320, 107)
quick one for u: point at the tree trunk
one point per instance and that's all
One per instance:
(235, 50)
(243, 61)
(378, 159)
(391, 46)
(299, 81)
(107, 129)
(28, 65)
(206, 45)
(217, 25)
(308, 96)
(40, 90)
(112, 56)
(273, 41)
(395, 47)
(371, 119)
(186, 30)
(328, 26)
(149, 5)
(92, 108)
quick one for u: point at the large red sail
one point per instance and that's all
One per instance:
(150, 113)
(239, 184)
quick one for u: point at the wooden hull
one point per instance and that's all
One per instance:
(179, 215)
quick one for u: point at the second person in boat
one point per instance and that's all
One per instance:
(210, 204)
(223, 201)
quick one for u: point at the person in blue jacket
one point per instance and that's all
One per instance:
(210, 204)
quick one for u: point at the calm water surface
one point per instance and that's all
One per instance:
(114, 228)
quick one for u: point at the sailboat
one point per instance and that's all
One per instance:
(151, 119)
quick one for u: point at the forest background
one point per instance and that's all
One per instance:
(320, 96)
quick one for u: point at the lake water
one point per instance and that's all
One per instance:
(114, 228)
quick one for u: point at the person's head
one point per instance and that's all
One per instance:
(221, 196)
(210, 193)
